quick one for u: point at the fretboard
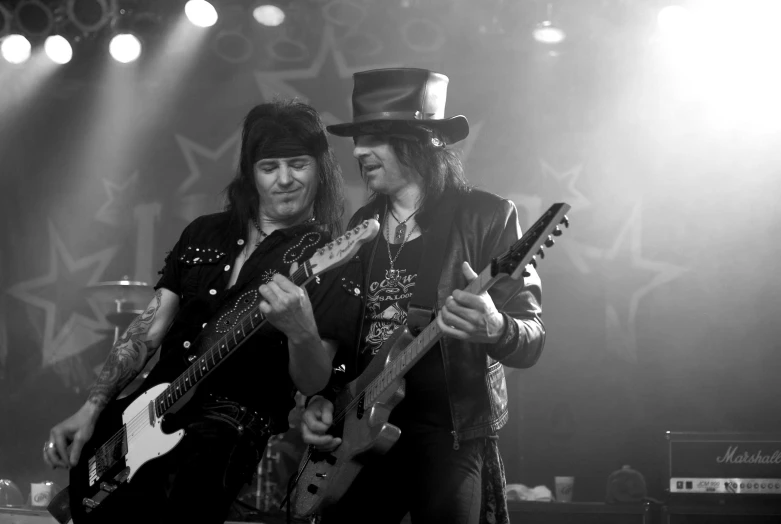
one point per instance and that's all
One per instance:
(220, 350)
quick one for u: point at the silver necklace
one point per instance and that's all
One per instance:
(394, 274)
(401, 228)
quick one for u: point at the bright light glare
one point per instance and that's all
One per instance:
(721, 56)
(269, 15)
(674, 19)
(547, 33)
(125, 48)
(201, 13)
(58, 49)
(15, 49)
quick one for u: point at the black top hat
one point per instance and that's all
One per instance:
(398, 100)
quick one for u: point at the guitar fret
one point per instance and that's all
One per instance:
(246, 325)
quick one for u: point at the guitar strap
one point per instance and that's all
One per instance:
(420, 311)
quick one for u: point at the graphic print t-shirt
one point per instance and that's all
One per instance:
(425, 406)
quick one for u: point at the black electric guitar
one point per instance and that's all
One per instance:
(362, 410)
(130, 431)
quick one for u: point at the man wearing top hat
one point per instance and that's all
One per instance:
(437, 232)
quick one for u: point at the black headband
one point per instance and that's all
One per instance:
(284, 148)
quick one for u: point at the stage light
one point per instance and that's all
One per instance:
(58, 49)
(546, 31)
(89, 15)
(15, 49)
(125, 48)
(674, 19)
(201, 13)
(269, 15)
(34, 18)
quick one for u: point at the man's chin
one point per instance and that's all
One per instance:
(292, 211)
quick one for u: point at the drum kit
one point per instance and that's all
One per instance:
(123, 300)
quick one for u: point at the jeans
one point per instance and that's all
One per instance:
(201, 477)
(423, 475)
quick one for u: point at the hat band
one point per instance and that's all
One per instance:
(389, 115)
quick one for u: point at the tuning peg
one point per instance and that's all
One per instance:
(533, 262)
(541, 253)
(565, 221)
(347, 234)
(557, 232)
(549, 241)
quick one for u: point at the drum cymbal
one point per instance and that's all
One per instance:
(119, 291)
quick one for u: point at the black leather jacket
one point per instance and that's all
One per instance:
(484, 226)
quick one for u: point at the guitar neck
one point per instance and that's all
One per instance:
(248, 324)
(425, 340)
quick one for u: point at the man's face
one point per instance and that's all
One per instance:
(287, 187)
(380, 166)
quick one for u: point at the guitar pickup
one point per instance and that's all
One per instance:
(108, 487)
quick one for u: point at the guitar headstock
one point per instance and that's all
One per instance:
(533, 242)
(342, 249)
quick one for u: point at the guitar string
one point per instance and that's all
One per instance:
(135, 422)
(377, 380)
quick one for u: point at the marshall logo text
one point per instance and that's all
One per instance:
(732, 456)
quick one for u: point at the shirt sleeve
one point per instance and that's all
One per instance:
(524, 337)
(171, 274)
(337, 309)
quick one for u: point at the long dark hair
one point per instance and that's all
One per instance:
(281, 120)
(440, 167)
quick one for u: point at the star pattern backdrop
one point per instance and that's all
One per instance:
(648, 299)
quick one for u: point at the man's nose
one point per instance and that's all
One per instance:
(360, 151)
(285, 175)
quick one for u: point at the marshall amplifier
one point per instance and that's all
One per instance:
(725, 464)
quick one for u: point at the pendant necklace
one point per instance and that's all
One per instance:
(401, 229)
(394, 274)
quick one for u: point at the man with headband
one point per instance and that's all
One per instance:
(284, 203)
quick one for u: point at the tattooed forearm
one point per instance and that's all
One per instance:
(127, 357)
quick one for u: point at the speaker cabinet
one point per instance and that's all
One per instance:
(578, 513)
(700, 514)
